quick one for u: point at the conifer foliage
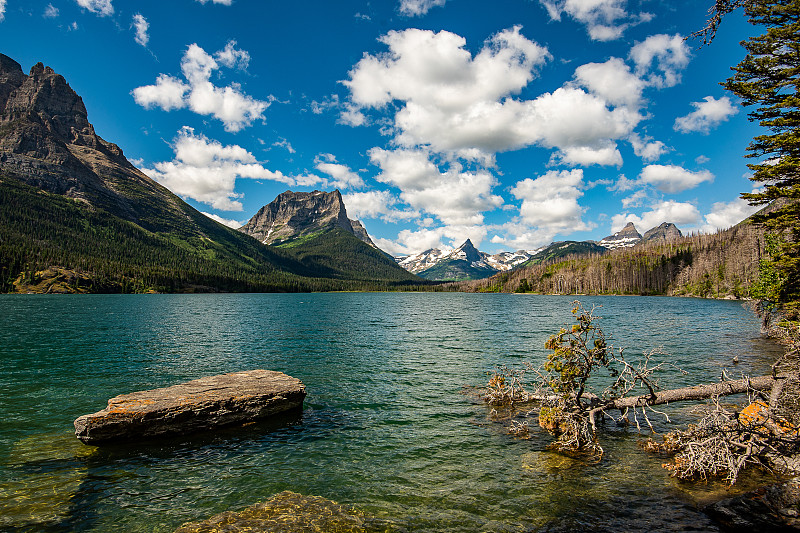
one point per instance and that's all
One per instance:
(767, 80)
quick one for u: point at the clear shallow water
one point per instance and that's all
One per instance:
(385, 427)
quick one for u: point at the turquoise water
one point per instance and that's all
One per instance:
(387, 426)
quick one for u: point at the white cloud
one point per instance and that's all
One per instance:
(205, 170)
(343, 177)
(459, 105)
(723, 215)
(141, 26)
(415, 8)
(233, 58)
(613, 81)
(50, 12)
(3, 10)
(668, 54)
(375, 204)
(586, 155)
(101, 7)
(229, 104)
(678, 213)
(235, 224)
(550, 202)
(706, 115)
(635, 200)
(221, 2)
(455, 197)
(605, 20)
(646, 148)
(673, 179)
(168, 93)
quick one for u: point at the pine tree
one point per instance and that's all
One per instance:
(767, 78)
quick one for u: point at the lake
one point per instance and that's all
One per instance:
(388, 426)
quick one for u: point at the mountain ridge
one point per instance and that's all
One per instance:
(77, 213)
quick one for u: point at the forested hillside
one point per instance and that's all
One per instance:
(721, 265)
(50, 243)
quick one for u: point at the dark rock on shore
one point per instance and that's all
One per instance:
(775, 509)
(198, 405)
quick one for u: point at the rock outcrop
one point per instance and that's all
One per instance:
(298, 214)
(624, 238)
(665, 232)
(198, 405)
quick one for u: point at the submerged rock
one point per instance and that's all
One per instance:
(775, 508)
(197, 405)
(289, 512)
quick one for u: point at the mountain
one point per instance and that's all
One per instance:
(465, 262)
(296, 215)
(666, 232)
(313, 228)
(624, 238)
(77, 216)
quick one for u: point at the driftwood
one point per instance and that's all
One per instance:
(697, 392)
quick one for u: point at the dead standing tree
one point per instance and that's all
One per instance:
(585, 380)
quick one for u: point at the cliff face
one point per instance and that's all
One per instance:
(47, 141)
(297, 214)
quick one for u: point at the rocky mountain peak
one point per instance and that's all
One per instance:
(48, 142)
(666, 231)
(297, 214)
(468, 251)
(624, 238)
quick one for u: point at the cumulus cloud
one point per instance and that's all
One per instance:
(50, 12)
(101, 7)
(3, 10)
(605, 154)
(667, 55)
(605, 20)
(706, 115)
(376, 204)
(221, 2)
(342, 176)
(205, 170)
(723, 215)
(456, 104)
(235, 224)
(415, 8)
(228, 104)
(613, 81)
(673, 179)
(140, 25)
(678, 213)
(455, 197)
(233, 58)
(550, 201)
(646, 148)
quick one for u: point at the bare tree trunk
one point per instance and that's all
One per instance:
(698, 392)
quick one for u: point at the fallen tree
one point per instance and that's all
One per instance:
(586, 380)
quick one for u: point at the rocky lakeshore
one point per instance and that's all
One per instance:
(191, 407)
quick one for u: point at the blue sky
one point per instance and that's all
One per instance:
(513, 122)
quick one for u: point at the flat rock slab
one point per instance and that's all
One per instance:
(199, 405)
